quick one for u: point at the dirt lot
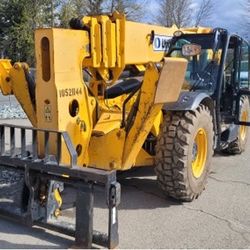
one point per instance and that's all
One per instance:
(220, 218)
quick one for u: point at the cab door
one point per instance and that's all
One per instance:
(230, 80)
(243, 84)
(244, 66)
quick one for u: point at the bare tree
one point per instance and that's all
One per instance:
(165, 15)
(79, 8)
(246, 22)
(133, 9)
(204, 12)
(174, 12)
(67, 12)
(94, 7)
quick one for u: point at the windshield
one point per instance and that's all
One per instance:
(202, 70)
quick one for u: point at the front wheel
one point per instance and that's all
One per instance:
(183, 153)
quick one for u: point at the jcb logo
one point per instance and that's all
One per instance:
(161, 43)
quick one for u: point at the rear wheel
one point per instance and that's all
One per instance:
(183, 153)
(238, 146)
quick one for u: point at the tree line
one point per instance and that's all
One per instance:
(19, 18)
(185, 12)
(246, 19)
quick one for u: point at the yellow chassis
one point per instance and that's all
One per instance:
(65, 103)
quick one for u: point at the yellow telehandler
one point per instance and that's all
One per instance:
(155, 96)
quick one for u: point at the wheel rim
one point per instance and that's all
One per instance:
(199, 153)
(243, 129)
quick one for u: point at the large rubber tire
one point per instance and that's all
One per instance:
(174, 153)
(238, 146)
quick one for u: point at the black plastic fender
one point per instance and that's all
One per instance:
(189, 101)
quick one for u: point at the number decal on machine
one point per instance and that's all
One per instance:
(70, 92)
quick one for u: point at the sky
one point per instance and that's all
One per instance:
(227, 13)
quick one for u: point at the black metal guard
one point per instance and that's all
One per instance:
(49, 169)
(35, 131)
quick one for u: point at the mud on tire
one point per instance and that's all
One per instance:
(174, 153)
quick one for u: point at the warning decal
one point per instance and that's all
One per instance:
(47, 113)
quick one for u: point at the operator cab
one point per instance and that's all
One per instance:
(220, 70)
(203, 68)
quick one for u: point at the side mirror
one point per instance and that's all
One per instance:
(191, 49)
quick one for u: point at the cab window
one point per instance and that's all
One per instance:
(202, 71)
(244, 66)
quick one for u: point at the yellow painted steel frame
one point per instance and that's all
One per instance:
(121, 148)
(13, 81)
(65, 103)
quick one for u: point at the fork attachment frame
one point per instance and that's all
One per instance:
(48, 170)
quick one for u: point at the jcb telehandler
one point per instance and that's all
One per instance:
(155, 96)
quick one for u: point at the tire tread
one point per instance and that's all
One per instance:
(173, 143)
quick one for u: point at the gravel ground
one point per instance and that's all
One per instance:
(10, 108)
(12, 111)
